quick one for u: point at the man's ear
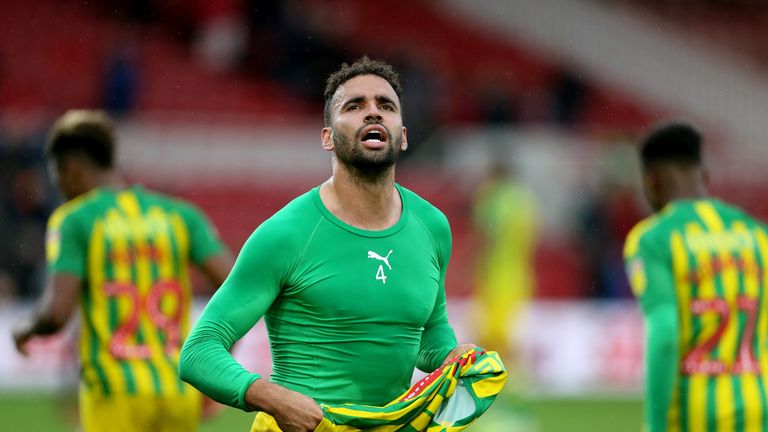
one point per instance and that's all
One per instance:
(326, 137)
(404, 145)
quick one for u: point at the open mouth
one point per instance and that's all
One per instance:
(374, 134)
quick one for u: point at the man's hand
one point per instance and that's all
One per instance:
(459, 350)
(22, 334)
(56, 305)
(293, 411)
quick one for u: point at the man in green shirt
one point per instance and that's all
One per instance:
(698, 268)
(349, 277)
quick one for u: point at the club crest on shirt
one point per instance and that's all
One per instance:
(380, 274)
(636, 271)
(52, 244)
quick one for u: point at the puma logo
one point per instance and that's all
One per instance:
(374, 255)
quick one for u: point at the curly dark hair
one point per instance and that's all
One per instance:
(363, 66)
(675, 142)
(88, 133)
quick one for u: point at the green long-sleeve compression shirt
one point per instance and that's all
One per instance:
(349, 312)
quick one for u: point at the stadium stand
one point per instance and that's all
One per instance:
(61, 58)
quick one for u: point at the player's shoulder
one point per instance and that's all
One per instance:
(295, 221)
(733, 212)
(648, 231)
(164, 200)
(74, 209)
(423, 210)
(299, 209)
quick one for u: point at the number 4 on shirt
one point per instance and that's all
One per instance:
(380, 274)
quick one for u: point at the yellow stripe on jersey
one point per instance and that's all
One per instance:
(121, 229)
(697, 393)
(673, 416)
(162, 239)
(762, 326)
(729, 278)
(725, 403)
(166, 270)
(750, 383)
(140, 233)
(52, 238)
(98, 313)
(680, 270)
(181, 234)
(632, 244)
(164, 260)
(727, 346)
(709, 215)
(635, 266)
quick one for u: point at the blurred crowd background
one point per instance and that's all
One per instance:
(522, 118)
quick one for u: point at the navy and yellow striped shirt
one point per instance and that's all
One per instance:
(698, 271)
(131, 248)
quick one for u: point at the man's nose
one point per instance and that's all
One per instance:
(373, 112)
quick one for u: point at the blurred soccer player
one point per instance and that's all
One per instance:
(505, 222)
(697, 268)
(121, 252)
(349, 276)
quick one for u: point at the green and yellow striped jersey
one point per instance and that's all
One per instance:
(701, 264)
(131, 248)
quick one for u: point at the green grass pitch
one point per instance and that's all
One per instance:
(38, 412)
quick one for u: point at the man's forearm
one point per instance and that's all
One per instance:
(30, 327)
(262, 395)
(38, 324)
(661, 367)
(43, 324)
(206, 363)
(291, 410)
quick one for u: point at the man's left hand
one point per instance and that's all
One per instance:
(459, 350)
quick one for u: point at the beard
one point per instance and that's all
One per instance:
(367, 163)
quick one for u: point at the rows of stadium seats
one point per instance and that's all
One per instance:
(469, 58)
(740, 26)
(62, 58)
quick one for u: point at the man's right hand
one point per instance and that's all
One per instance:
(293, 411)
(22, 333)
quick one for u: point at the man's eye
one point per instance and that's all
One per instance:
(388, 107)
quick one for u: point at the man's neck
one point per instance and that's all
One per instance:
(687, 196)
(104, 179)
(681, 184)
(365, 202)
(687, 189)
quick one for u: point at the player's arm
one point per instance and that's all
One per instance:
(217, 267)
(52, 312)
(207, 251)
(244, 297)
(653, 284)
(66, 251)
(438, 341)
